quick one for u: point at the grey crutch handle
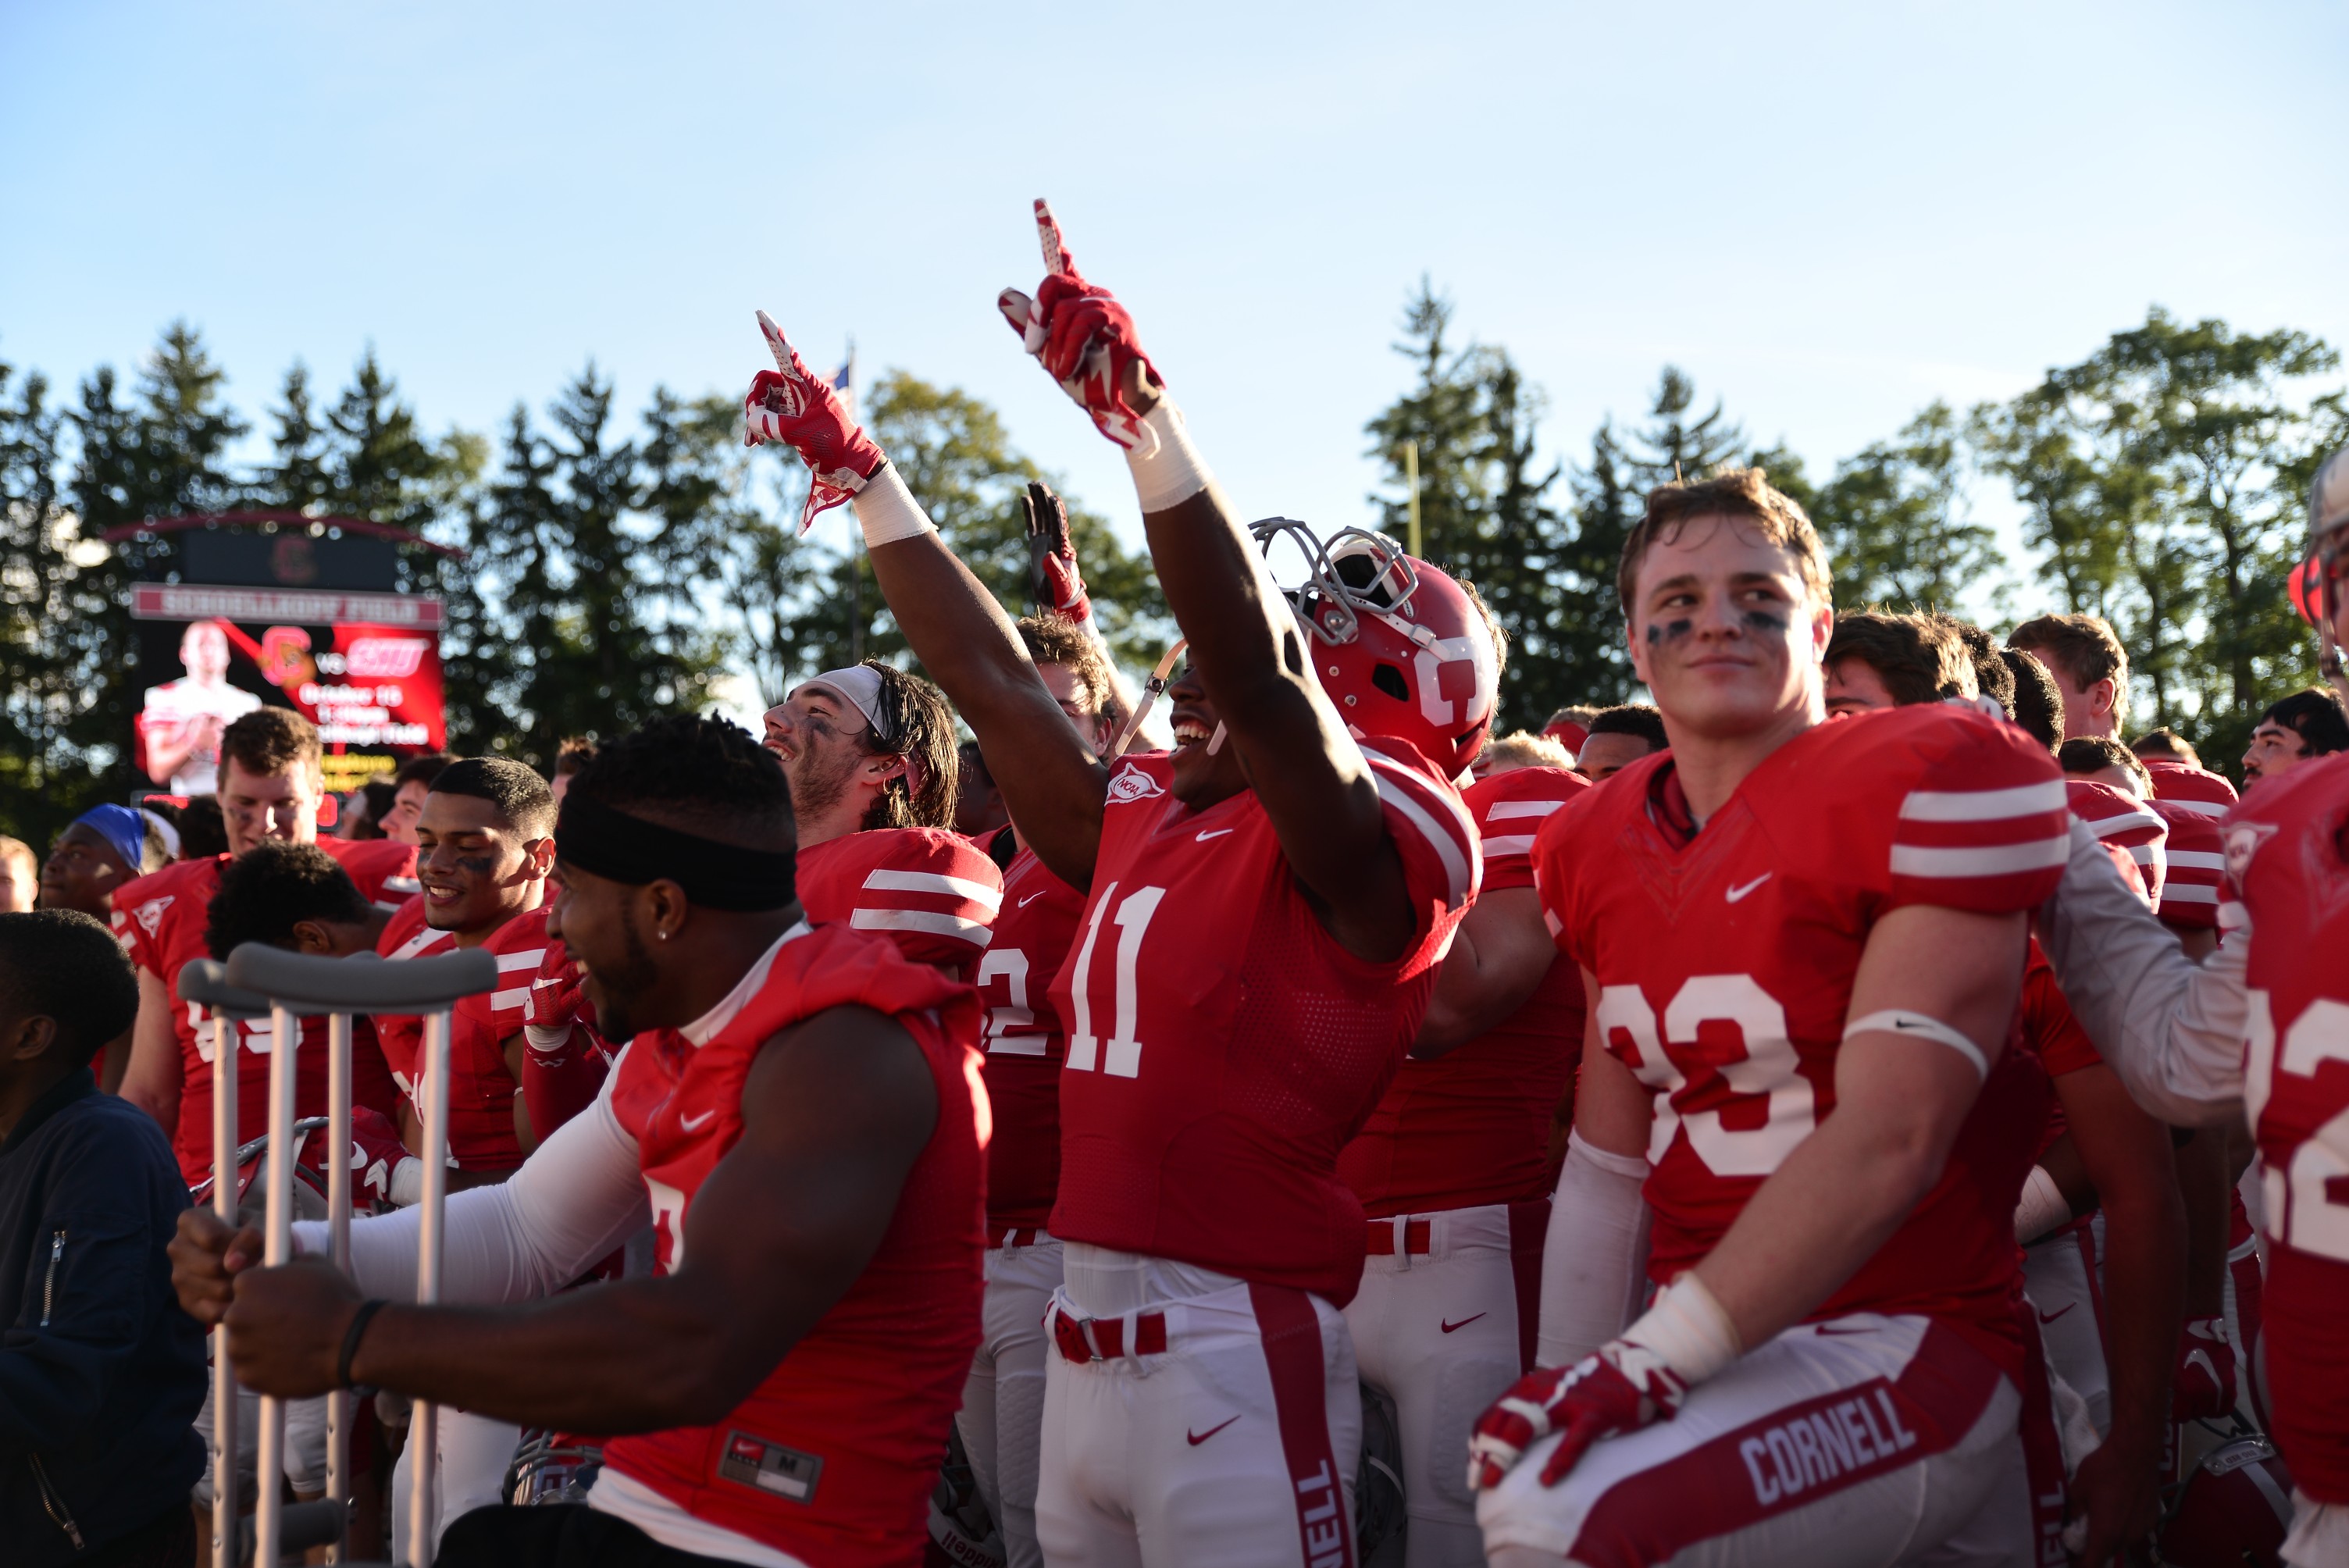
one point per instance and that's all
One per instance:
(205, 982)
(309, 983)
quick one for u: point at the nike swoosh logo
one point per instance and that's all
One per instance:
(1198, 1438)
(696, 1123)
(1737, 892)
(1024, 903)
(1463, 1321)
(1203, 838)
(2052, 1316)
(2200, 1359)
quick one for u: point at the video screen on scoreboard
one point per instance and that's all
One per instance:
(373, 689)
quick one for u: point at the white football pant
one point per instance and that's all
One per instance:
(1864, 1442)
(1234, 1445)
(474, 1452)
(1002, 1416)
(1443, 1332)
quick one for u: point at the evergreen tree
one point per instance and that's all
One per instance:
(164, 455)
(1485, 515)
(1675, 448)
(1597, 668)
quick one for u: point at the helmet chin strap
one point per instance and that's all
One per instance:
(1151, 689)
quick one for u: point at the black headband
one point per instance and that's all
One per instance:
(610, 843)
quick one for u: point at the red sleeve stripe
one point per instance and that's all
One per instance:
(977, 933)
(1438, 817)
(1980, 861)
(937, 883)
(1983, 805)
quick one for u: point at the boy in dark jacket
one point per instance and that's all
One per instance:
(100, 1372)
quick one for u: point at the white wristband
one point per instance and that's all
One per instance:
(545, 1038)
(2043, 1207)
(1174, 471)
(1920, 1026)
(887, 512)
(1688, 1330)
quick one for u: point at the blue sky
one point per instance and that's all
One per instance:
(1828, 215)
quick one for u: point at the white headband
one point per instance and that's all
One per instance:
(163, 831)
(859, 685)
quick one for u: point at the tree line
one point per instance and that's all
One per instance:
(610, 572)
(2162, 480)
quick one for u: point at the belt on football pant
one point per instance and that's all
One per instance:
(1013, 1236)
(1084, 1339)
(1385, 1238)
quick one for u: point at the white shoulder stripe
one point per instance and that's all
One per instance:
(506, 1001)
(1460, 871)
(1503, 810)
(2199, 860)
(2199, 807)
(529, 959)
(887, 880)
(2189, 893)
(1436, 796)
(975, 932)
(1983, 805)
(1988, 861)
(2104, 825)
(1515, 844)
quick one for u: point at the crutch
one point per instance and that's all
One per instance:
(299, 986)
(205, 983)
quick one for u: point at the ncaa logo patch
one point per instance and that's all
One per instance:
(2243, 841)
(150, 914)
(1132, 783)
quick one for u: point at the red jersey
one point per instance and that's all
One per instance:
(1026, 1042)
(481, 1089)
(2125, 822)
(2190, 789)
(932, 891)
(831, 1459)
(160, 918)
(1725, 959)
(2052, 1035)
(1223, 1048)
(1472, 1126)
(2288, 856)
(2196, 856)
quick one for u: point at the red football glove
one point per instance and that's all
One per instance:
(791, 404)
(1053, 579)
(553, 1001)
(1620, 1389)
(1086, 342)
(2203, 1386)
(376, 1152)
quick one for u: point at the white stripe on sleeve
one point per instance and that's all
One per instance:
(975, 932)
(1986, 861)
(1985, 805)
(889, 881)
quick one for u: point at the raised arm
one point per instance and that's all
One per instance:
(1245, 646)
(1051, 784)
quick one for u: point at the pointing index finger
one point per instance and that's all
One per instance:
(777, 344)
(1048, 236)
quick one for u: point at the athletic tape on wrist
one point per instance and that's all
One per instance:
(1901, 1021)
(405, 1188)
(887, 512)
(547, 1038)
(2041, 1209)
(1688, 1330)
(1174, 472)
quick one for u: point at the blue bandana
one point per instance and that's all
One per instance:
(121, 827)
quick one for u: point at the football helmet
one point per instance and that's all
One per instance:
(2234, 1509)
(1396, 644)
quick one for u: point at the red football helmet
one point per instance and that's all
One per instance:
(1395, 643)
(2235, 1509)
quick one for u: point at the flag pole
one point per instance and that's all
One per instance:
(1410, 474)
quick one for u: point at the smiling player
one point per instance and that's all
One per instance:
(1266, 906)
(1779, 919)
